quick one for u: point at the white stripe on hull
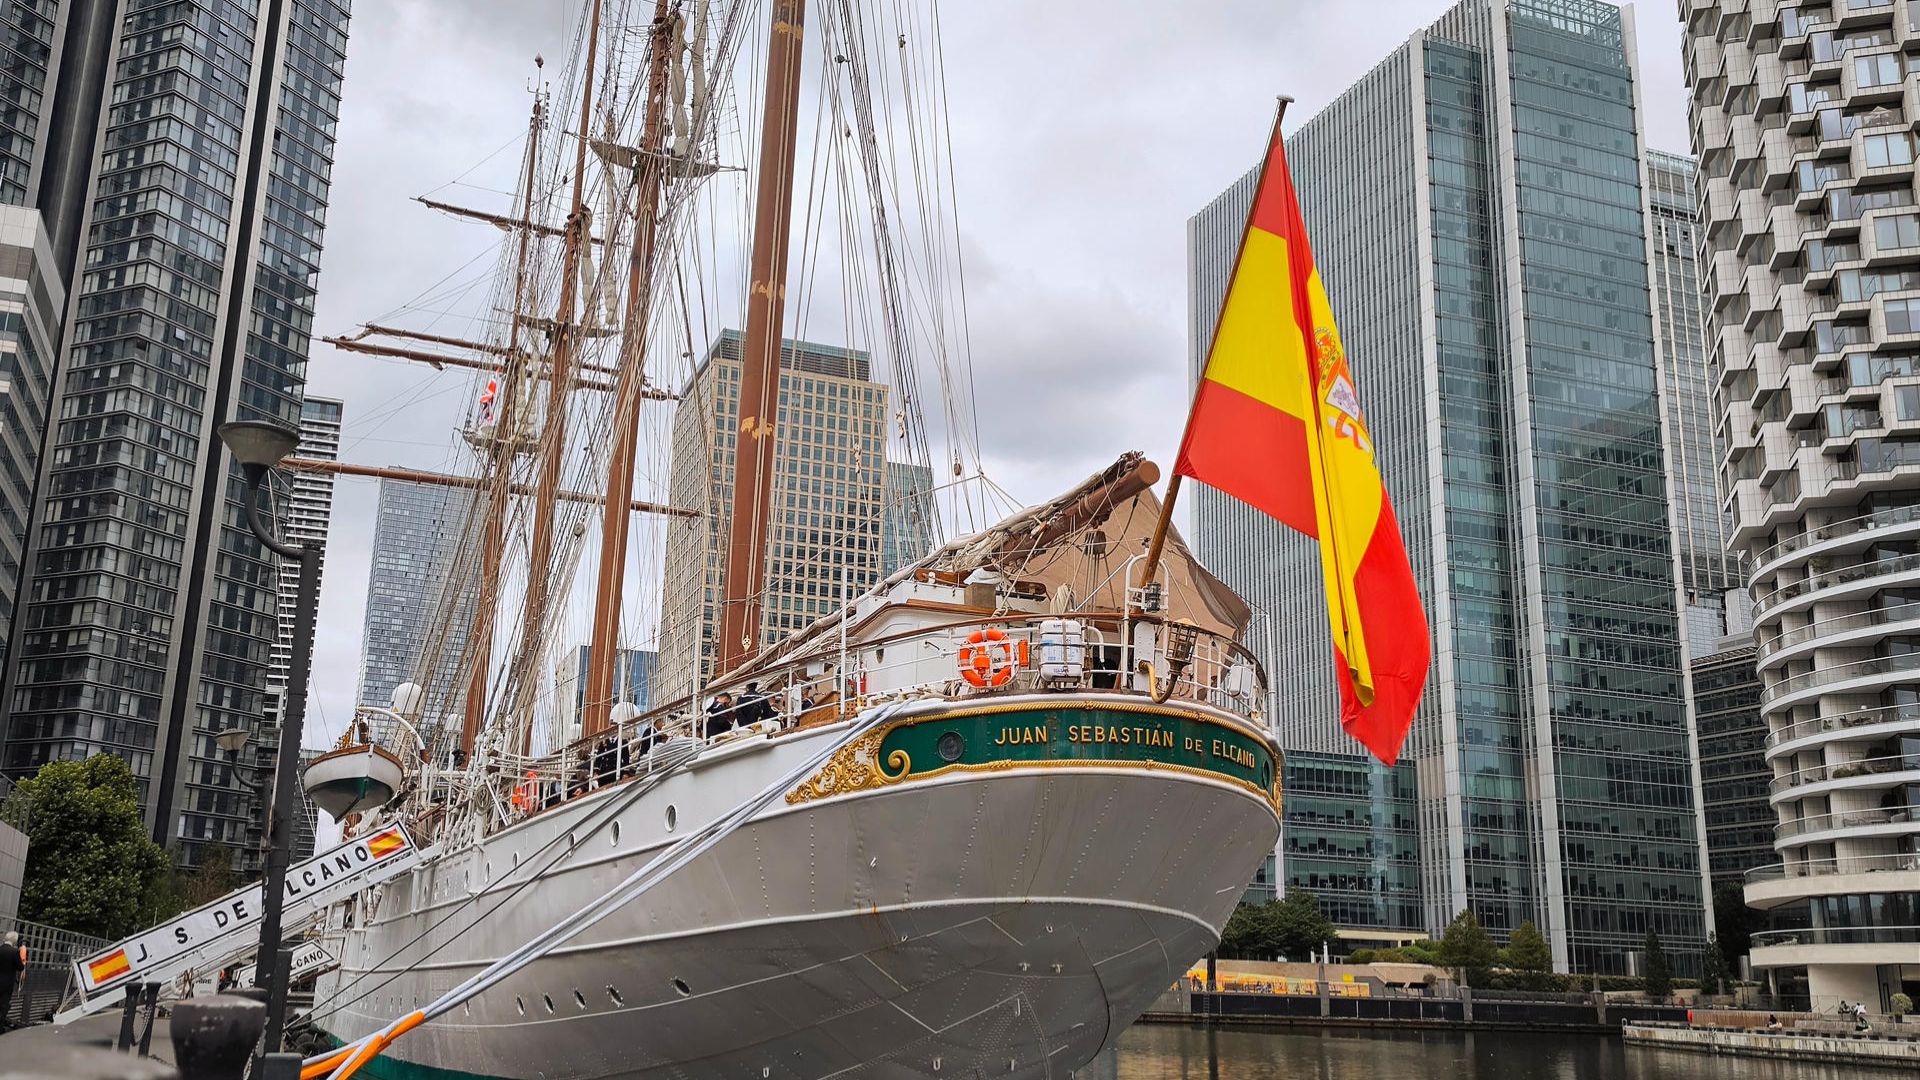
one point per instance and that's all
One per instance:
(974, 920)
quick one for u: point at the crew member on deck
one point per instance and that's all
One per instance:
(721, 714)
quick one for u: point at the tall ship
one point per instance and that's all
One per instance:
(963, 811)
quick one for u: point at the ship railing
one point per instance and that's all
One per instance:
(827, 686)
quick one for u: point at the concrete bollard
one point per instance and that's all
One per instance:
(213, 1037)
(279, 1067)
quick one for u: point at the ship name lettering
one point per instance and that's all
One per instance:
(1235, 754)
(1126, 736)
(1022, 736)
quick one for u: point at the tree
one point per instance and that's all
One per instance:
(1659, 975)
(1241, 937)
(1295, 926)
(1527, 953)
(1714, 975)
(1468, 949)
(1735, 921)
(90, 863)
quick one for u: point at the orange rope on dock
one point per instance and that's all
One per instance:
(320, 1066)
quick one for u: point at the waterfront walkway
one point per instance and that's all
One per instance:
(1802, 1042)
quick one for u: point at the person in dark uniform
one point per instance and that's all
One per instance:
(12, 966)
(606, 761)
(755, 706)
(721, 715)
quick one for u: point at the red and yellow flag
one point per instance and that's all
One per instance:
(1276, 424)
(386, 844)
(108, 966)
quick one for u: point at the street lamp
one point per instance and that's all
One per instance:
(257, 446)
(233, 740)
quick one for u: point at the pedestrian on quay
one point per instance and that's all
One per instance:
(1773, 1022)
(13, 965)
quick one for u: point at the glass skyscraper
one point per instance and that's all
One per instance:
(32, 302)
(1478, 215)
(420, 600)
(180, 156)
(1710, 577)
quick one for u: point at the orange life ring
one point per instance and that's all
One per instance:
(523, 794)
(989, 658)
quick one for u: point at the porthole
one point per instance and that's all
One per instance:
(549, 1000)
(680, 987)
(950, 746)
(516, 860)
(614, 996)
(616, 834)
(579, 998)
(521, 1005)
(673, 818)
(573, 840)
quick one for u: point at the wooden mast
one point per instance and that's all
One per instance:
(554, 433)
(745, 582)
(493, 529)
(604, 649)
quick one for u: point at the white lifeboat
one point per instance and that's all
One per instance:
(353, 779)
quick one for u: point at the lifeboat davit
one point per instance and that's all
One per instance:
(353, 779)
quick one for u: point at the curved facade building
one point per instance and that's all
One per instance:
(1803, 118)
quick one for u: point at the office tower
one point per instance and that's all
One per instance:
(179, 155)
(1349, 837)
(632, 682)
(32, 303)
(1734, 775)
(1477, 214)
(907, 534)
(1710, 578)
(829, 471)
(420, 601)
(1802, 121)
(306, 511)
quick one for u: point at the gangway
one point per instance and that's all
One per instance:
(226, 931)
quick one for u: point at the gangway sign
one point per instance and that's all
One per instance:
(224, 926)
(310, 959)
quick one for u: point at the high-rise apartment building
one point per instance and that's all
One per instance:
(829, 472)
(1734, 775)
(32, 303)
(305, 512)
(420, 600)
(1803, 119)
(179, 156)
(1479, 217)
(1710, 578)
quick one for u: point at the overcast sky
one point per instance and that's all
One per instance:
(1086, 132)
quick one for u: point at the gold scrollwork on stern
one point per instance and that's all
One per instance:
(854, 767)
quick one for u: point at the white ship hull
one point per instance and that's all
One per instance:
(1003, 918)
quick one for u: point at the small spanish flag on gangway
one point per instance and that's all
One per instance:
(1276, 423)
(107, 967)
(386, 844)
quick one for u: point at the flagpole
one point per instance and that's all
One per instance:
(1157, 545)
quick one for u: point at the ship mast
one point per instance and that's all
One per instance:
(745, 582)
(506, 433)
(553, 436)
(650, 166)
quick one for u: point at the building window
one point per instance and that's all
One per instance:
(1881, 70)
(1893, 149)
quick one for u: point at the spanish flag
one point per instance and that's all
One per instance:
(107, 967)
(1276, 423)
(386, 844)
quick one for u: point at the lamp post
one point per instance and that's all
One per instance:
(258, 446)
(234, 740)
